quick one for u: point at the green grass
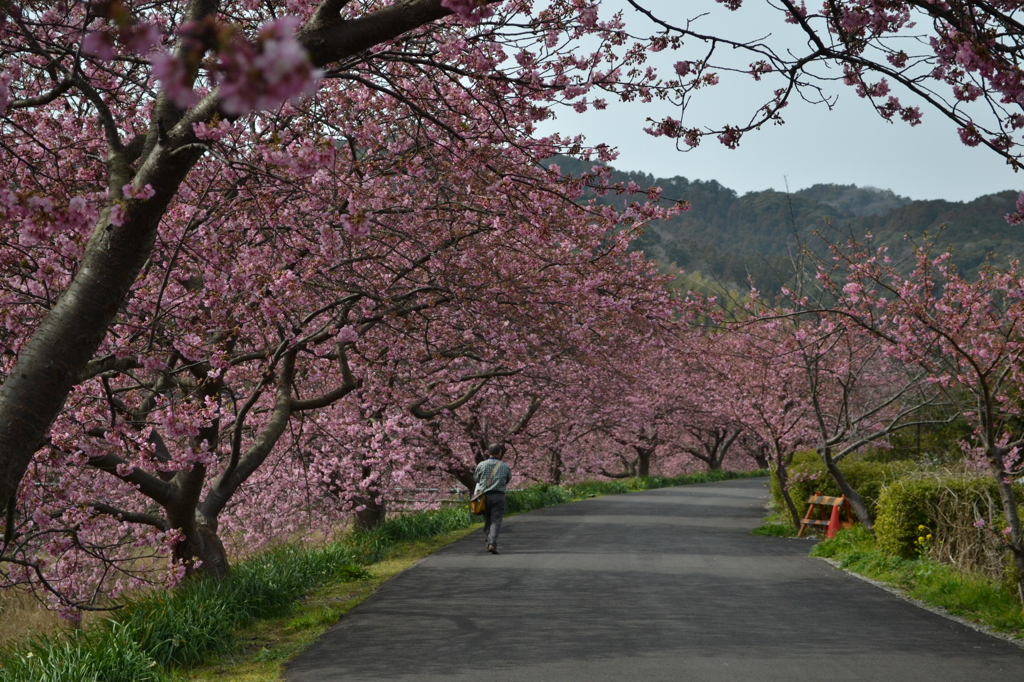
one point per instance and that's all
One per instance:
(972, 597)
(776, 525)
(101, 655)
(165, 633)
(775, 530)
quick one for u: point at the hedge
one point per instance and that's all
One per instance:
(945, 507)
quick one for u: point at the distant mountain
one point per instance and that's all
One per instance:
(732, 238)
(858, 201)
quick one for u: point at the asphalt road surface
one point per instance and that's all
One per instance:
(661, 585)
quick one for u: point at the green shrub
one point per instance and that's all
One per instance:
(903, 509)
(807, 475)
(946, 507)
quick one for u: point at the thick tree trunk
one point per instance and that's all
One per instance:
(760, 457)
(371, 515)
(643, 461)
(67, 339)
(202, 552)
(557, 466)
(465, 477)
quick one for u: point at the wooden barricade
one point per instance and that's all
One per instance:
(829, 514)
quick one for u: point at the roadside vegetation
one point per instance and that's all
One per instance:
(975, 597)
(274, 604)
(939, 531)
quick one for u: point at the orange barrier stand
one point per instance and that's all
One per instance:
(821, 503)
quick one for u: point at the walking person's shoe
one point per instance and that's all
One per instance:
(492, 549)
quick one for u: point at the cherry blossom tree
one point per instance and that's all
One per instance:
(858, 394)
(118, 117)
(271, 358)
(965, 335)
(759, 385)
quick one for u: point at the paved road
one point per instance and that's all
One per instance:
(662, 585)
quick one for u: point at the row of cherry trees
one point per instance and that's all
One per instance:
(262, 271)
(233, 308)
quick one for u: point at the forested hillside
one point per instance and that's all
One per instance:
(732, 237)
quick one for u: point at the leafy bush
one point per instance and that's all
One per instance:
(947, 507)
(807, 475)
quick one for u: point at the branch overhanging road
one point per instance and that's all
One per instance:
(661, 585)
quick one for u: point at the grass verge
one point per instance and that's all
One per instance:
(972, 598)
(262, 649)
(273, 605)
(777, 525)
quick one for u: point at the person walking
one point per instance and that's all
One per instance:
(492, 476)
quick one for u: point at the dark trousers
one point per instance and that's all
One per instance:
(493, 515)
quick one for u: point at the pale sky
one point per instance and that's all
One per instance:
(849, 145)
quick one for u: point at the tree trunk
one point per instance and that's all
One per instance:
(200, 549)
(854, 498)
(202, 553)
(643, 461)
(760, 457)
(1009, 499)
(465, 477)
(371, 515)
(782, 478)
(373, 512)
(557, 466)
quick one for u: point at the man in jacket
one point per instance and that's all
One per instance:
(491, 476)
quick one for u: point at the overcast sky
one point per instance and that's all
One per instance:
(849, 145)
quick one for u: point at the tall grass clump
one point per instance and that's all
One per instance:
(183, 626)
(537, 497)
(108, 654)
(370, 546)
